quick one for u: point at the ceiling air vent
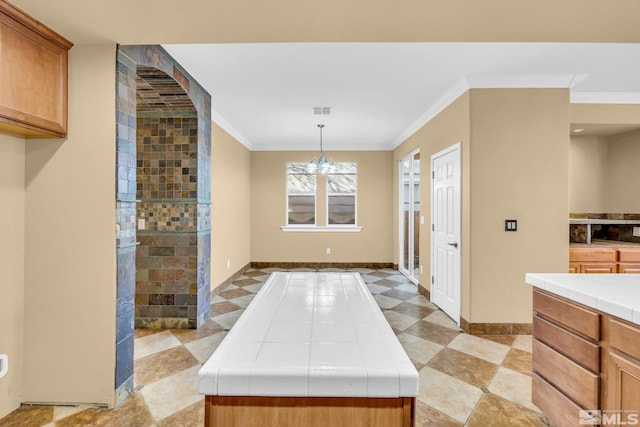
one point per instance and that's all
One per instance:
(321, 111)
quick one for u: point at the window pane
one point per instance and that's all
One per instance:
(300, 168)
(298, 180)
(342, 209)
(302, 210)
(345, 167)
(301, 184)
(341, 183)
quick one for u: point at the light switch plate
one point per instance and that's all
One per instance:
(636, 231)
(510, 225)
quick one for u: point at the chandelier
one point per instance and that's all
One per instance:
(321, 165)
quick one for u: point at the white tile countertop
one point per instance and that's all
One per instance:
(310, 334)
(614, 294)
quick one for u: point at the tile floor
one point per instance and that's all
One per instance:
(464, 379)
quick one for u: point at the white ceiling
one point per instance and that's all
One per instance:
(380, 93)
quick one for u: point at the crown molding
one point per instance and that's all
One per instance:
(605, 97)
(231, 130)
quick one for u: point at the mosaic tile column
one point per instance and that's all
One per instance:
(185, 254)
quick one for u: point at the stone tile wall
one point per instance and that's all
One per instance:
(613, 232)
(153, 61)
(126, 223)
(166, 280)
(167, 163)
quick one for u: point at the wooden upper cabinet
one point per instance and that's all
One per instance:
(33, 76)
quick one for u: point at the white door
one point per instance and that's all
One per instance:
(409, 215)
(445, 235)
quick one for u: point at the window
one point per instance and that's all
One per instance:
(301, 195)
(341, 195)
(333, 193)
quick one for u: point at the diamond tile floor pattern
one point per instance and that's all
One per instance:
(464, 379)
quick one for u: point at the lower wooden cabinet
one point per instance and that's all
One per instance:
(566, 353)
(599, 260)
(623, 376)
(629, 260)
(624, 388)
(592, 260)
(584, 360)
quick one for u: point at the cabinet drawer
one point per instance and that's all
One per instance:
(578, 349)
(629, 254)
(553, 403)
(576, 382)
(597, 268)
(629, 267)
(625, 338)
(576, 318)
(592, 254)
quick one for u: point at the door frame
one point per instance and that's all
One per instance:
(401, 241)
(455, 147)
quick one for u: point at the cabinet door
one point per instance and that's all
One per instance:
(624, 388)
(597, 268)
(33, 76)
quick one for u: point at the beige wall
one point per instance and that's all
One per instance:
(452, 125)
(588, 174)
(12, 199)
(603, 173)
(515, 148)
(231, 205)
(619, 114)
(519, 170)
(624, 173)
(268, 212)
(70, 261)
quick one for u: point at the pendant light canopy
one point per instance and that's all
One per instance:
(321, 165)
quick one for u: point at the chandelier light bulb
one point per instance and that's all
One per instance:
(322, 165)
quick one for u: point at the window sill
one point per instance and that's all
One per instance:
(315, 229)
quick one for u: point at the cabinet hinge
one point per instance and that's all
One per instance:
(433, 227)
(433, 175)
(432, 280)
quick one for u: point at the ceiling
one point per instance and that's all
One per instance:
(380, 93)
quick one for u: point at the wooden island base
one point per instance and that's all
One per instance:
(258, 411)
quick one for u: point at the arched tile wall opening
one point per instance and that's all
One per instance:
(150, 84)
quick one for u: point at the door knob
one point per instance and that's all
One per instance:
(454, 244)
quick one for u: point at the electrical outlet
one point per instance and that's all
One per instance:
(510, 225)
(4, 364)
(141, 224)
(636, 231)
(328, 251)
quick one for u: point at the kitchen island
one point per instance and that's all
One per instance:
(586, 348)
(312, 349)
